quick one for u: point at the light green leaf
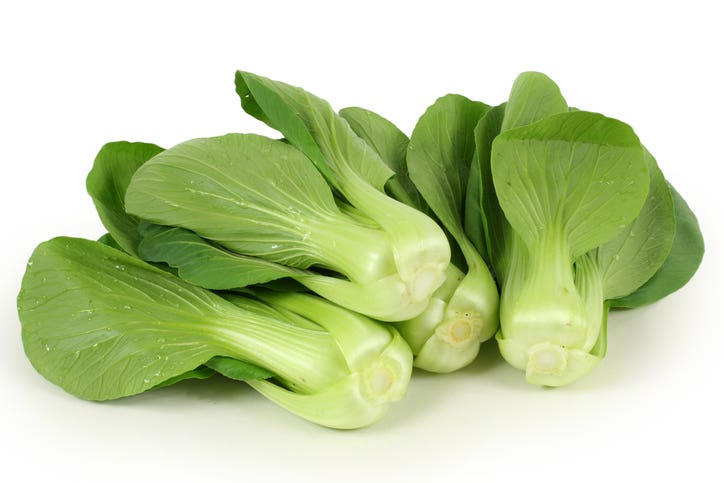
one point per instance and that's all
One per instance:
(578, 172)
(684, 259)
(533, 97)
(107, 183)
(104, 325)
(247, 193)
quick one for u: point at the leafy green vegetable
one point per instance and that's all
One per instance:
(420, 249)
(439, 155)
(103, 324)
(581, 218)
(280, 210)
(214, 245)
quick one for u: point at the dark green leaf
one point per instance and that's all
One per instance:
(107, 183)
(202, 372)
(204, 264)
(484, 220)
(310, 124)
(238, 370)
(632, 258)
(391, 145)
(684, 259)
(441, 149)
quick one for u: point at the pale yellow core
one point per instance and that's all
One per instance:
(461, 331)
(547, 358)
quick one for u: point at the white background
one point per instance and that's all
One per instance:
(74, 76)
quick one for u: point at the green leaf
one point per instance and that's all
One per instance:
(103, 325)
(238, 370)
(391, 145)
(484, 220)
(684, 259)
(107, 183)
(533, 97)
(245, 192)
(441, 149)
(632, 258)
(201, 372)
(310, 124)
(578, 172)
(204, 264)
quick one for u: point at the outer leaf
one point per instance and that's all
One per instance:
(684, 259)
(238, 370)
(441, 149)
(533, 97)
(103, 325)
(107, 183)
(632, 258)
(578, 171)
(310, 124)
(204, 264)
(391, 145)
(484, 220)
(201, 372)
(245, 192)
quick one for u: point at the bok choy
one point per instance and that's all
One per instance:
(103, 324)
(581, 218)
(431, 170)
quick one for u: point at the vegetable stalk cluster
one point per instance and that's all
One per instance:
(321, 267)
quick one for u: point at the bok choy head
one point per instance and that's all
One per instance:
(253, 196)
(102, 325)
(431, 173)
(581, 217)
(419, 249)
